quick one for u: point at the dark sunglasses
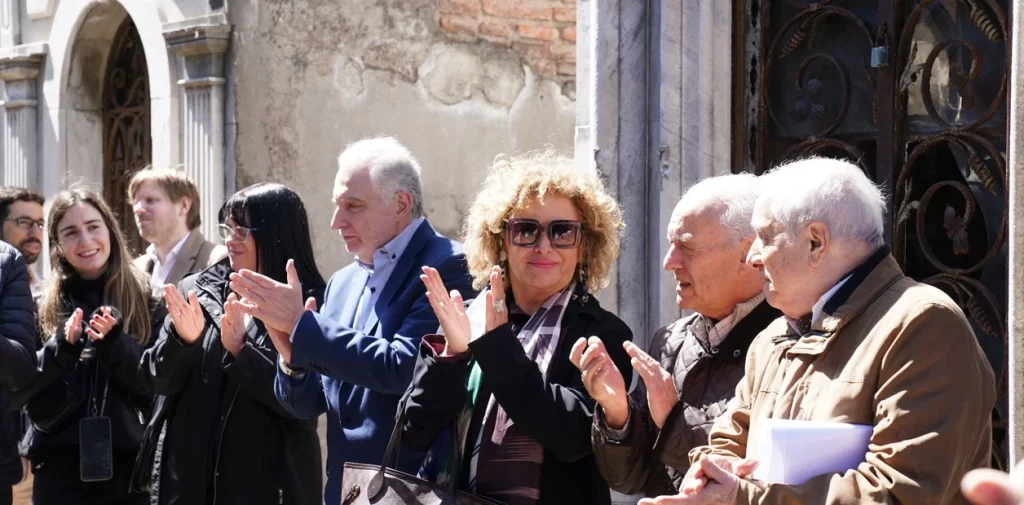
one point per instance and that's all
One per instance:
(563, 234)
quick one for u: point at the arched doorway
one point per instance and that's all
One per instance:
(127, 143)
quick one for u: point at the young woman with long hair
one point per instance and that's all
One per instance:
(218, 435)
(88, 404)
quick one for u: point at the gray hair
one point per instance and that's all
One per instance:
(834, 192)
(392, 168)
(732, 196)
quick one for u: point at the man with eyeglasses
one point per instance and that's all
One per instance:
(22, 211)
(354, 357)
(166, 207)
(22, 214)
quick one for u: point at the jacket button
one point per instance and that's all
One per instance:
(736, 353)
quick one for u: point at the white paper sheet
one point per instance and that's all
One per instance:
(790, 452)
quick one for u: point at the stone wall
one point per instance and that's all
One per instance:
(309, 76)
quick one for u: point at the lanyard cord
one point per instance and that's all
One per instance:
(106, 387)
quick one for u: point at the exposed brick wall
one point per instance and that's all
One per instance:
(543, 31)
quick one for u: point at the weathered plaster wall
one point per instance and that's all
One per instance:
(310, 76)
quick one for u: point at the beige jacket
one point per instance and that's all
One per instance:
(898, 355)
(196, 254)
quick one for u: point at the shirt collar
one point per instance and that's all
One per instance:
(817, 310)
(151, 250)
(394, 249)
(718, 331)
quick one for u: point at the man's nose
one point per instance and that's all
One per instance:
(754, 254)
(137, 208)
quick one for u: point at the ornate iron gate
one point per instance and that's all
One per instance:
(915, 93)
(127, 144)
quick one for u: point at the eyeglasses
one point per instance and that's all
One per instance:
(563, 234)
(237, 233)
(27, 223)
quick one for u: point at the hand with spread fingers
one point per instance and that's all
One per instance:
(713, 480)
(497, 312)
(450, 310)
(73, 327)
(187, 317)
(661, 389)
(602, 380)
(232, 326)
(278, 305)
(100, 325)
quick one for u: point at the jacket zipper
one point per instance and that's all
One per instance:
(220, 440)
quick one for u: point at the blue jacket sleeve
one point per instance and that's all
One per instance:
(18, 335)
(302, 396)
(381, 364)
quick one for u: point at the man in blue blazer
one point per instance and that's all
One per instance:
(354, 358)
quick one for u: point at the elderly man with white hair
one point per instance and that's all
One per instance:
(355, 356)
(860, 343)
(694, 364)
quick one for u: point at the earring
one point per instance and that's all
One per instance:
(583, 281)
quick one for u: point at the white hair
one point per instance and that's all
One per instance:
(834, 192)
(392, 168)
(732, 196)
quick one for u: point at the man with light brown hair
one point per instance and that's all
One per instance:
(166, 207)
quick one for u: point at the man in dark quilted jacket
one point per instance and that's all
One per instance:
(17, 357)
(691, 366)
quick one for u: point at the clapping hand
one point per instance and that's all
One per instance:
(232, 326)
(661, 389)
(602, 380)
(186, 316)
(450, 310)
(100, 325)
(497, 313)
(73, 327)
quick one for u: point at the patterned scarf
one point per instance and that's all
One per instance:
(505, 463)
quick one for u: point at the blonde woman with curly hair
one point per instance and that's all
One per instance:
(541, 236)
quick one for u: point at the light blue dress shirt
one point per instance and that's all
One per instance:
(384, 260)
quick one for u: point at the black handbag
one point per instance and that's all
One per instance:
(364, 484)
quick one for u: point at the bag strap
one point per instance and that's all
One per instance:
(376, 485)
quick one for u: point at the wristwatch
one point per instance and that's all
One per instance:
(289, 370)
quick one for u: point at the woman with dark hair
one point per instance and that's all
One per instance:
(218, 435)
(88, 404)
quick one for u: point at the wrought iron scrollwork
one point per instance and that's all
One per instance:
(934, 134)
(127, 140)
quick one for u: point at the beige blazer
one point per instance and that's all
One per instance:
(196, 254)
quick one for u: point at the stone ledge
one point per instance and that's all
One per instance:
(202, 35)
(22, 62)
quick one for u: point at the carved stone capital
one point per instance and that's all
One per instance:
(201, 42)
(22, 63)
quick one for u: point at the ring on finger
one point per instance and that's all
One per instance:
(440, 304)
(499, 306)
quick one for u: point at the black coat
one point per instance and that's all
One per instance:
(69, 377)
(17, 354)
(218, 434)
(557, 412)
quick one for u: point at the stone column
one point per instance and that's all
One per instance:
(200, 46)
(19, 69)
(1015, 312)
(695, 68)
(614, 101)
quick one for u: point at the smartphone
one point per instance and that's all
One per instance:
(96, 462)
